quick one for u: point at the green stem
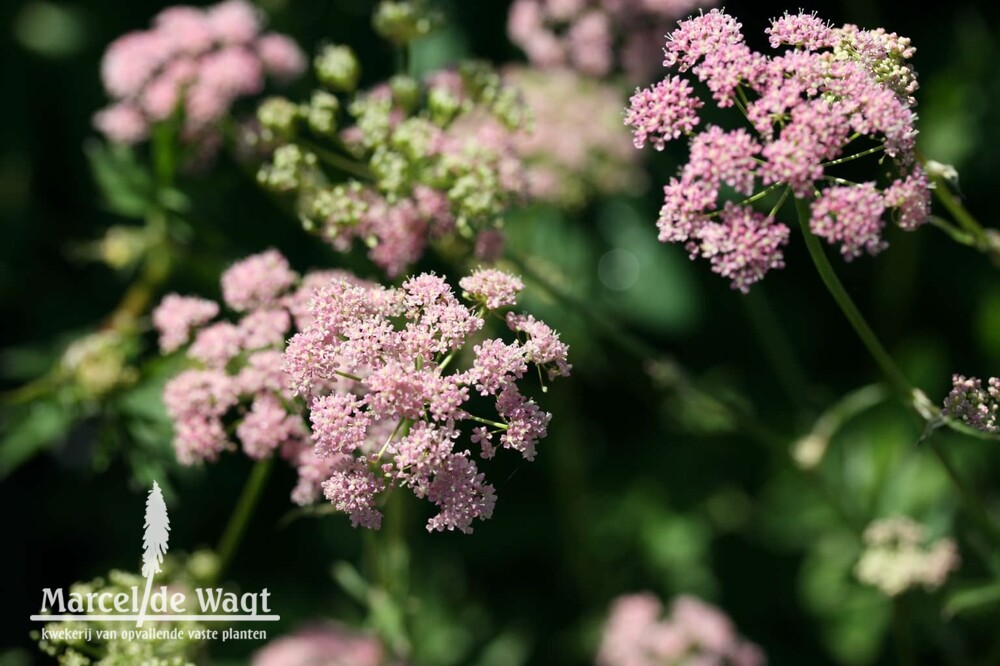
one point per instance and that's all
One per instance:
(855, 156)
(392, 436)
(943, 193)
(956, 234)
(839, 181)
(347, 375)
(495, 424)
(447, 360)
(781, 202)
(36, 388)
(914, 399)
(756, 197)
(336, 160)
(901, 631)
(235, 529)
(847, 306)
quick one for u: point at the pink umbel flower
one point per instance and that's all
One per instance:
(806, 31)
(233, 21)
(257, 281)
(492, 287)
(594, 37)
(122, 123)
(850, 216)
(694, 632)
(743, 246)
(322, 645)
(972, 404)
(367, 396)
(911, 196)
(389, 405)
(663, 112)
(217, 344)
(235, 374)
(832, 95)
(176, 315)
(201, 60)
(281, 56)
(489, 245)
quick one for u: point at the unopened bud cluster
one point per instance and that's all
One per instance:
(397, 166)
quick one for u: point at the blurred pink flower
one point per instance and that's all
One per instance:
(595, 37)
(200, 59)
(692, 633)
(323, 645)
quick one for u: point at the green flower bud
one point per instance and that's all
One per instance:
(372, 115)
(403, 22)
(321, 112)
(122, 246)
(443, 106)
(277, 116)
(412, 137)
(391, 170)
(98, 363)
(286, 170)
(405, 91)
(337, 68)
(338, 206)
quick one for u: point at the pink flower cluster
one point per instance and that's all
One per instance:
(201, 59)
(388, 407)
(236, 376)
(323, 645)
(566, 167)
(972, 404)
(693, 633)
(835, 89)
(595, 36)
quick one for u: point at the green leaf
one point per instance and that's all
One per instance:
(352, 581)
(973, 599)
(175, 200)
(507, 649)
(43, 425)
(126, 186)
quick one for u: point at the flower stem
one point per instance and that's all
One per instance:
(901, 631)
(337, 160)
(956, 234)
(347, 375)
(847, 306)
(235, 529)
(855, 156)
(392, 436)
(495, 424)
(899, 383)
(943, 193)
(752, 199)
